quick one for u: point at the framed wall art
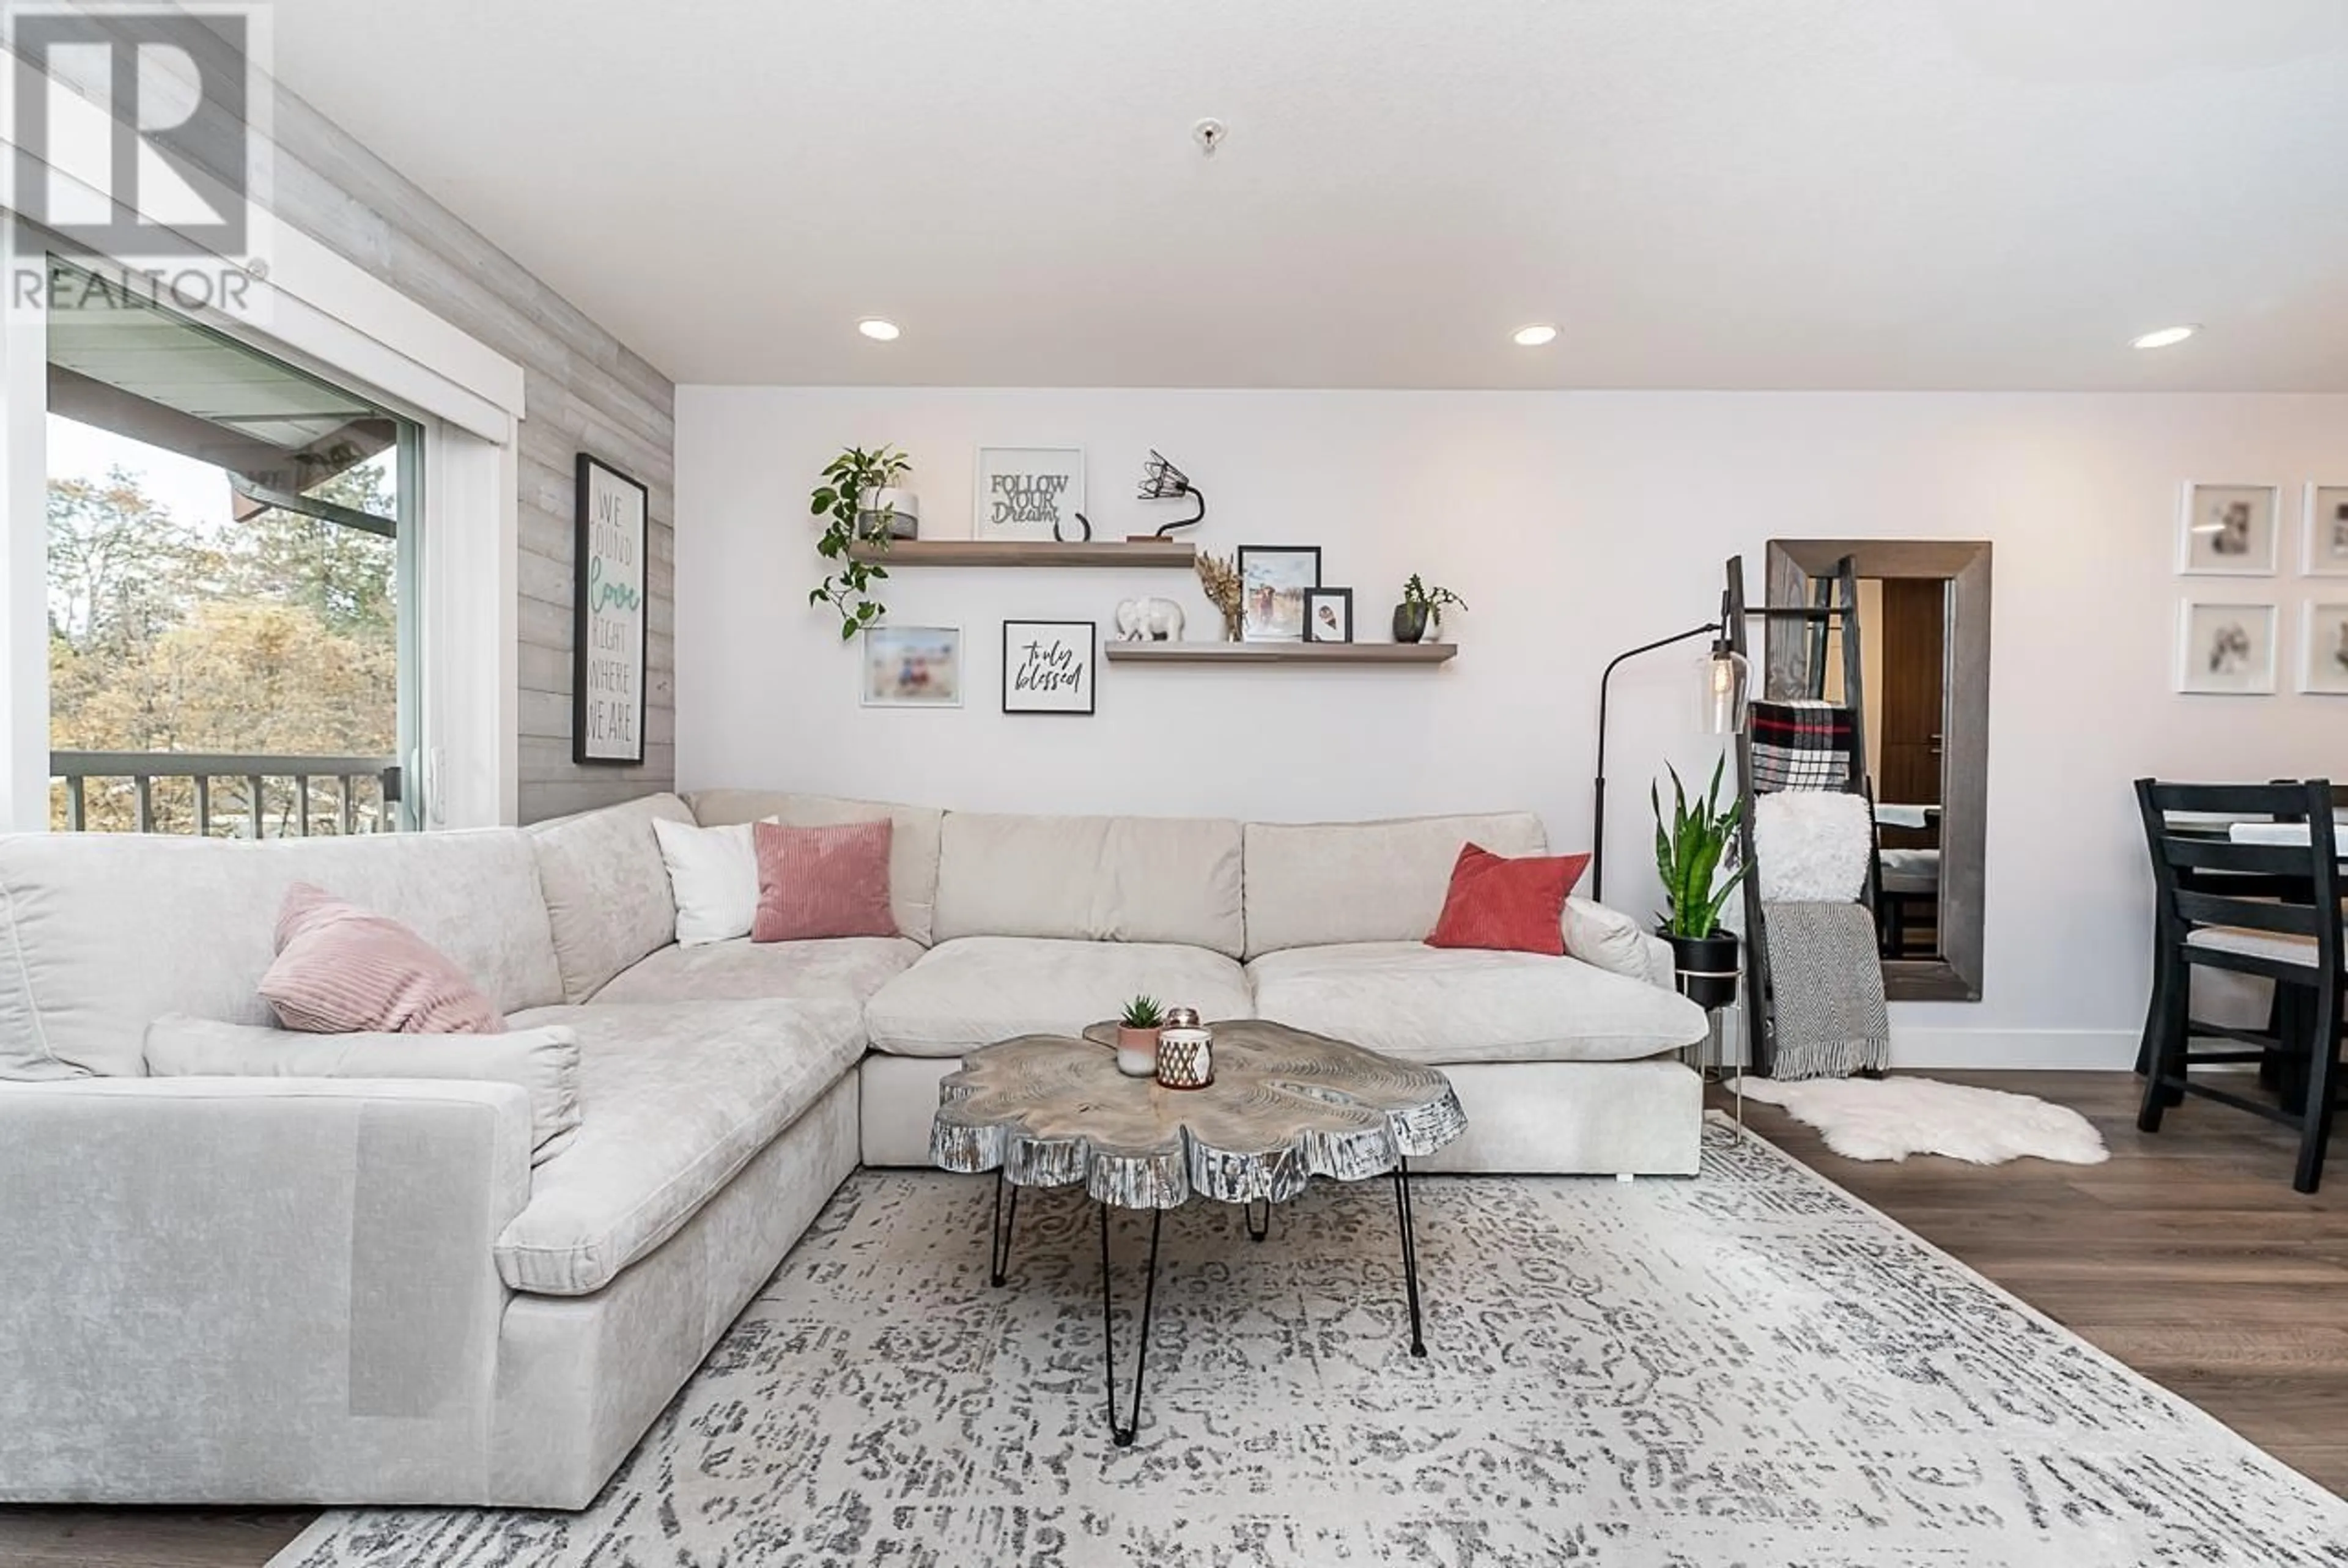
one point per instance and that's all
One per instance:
(1029, 492)
(1048, 666)
(2228, 531)
(912, 667)
(607, 618)
(2324, 650)
(1329, 615)
(2325, 551)
(2226, 649)
(1273, 581)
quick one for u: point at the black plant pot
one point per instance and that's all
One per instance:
(1706, 966)
(1409, 622)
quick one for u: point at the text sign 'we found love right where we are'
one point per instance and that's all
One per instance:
(607, 632)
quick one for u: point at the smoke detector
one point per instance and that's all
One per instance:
(1208, 134)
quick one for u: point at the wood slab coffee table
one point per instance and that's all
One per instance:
(1050, 1110)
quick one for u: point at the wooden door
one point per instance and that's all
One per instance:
(1915, 652)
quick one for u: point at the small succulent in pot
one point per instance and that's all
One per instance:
(1137, 1037)
(1421, 609)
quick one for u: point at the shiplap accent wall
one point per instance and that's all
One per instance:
(584, 390)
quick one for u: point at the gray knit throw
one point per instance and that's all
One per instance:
(1827, 980)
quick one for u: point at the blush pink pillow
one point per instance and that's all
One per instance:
(822, 881)
(343, 970)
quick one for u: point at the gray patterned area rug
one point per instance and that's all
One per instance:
(1749, 1368)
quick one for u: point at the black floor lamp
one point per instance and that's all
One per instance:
(1724, 672)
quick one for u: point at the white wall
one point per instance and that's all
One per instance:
(1576, 525)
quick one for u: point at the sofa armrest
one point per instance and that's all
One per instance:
(228, 1290)
(1613, 941)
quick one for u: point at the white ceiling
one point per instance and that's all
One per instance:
(1700, 193)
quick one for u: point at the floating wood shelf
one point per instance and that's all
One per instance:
(1176, 553)
(1282, 652)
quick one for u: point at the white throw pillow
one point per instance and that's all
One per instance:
(714, 873)
(1610, 940)
(543, 1060)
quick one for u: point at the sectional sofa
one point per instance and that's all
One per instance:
(286, 1289)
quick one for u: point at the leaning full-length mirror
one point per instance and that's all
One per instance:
(1922, 673)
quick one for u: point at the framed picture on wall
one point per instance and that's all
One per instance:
(1048, 666)
(607, 618)
(2228, 531)
(1329, 615)
(2325, 552)
(2324, 650)
(2226, 649)
(1029, 493)
(1273, 581)
(912, 667)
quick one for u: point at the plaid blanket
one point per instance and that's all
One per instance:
(1802, 745)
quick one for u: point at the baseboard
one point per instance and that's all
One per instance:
(2052, 1049)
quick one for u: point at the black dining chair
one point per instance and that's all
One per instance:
(2267, 911)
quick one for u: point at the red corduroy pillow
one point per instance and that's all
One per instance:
(822, 881)
(1512, 906)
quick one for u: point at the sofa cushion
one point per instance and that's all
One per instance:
(101, 933)
(819, 882)
(835, 969)
(912, 839)
(677, 1098)
(974, 990)
(606, 887)
(1314, 884)
(542, 1062)
(1092, 879)
(1440, 1005)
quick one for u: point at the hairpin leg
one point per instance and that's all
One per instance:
(1258, 1229)
(999, 1233)
(1409, 1253)
(1123, 1435)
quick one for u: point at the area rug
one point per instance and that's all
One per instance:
(1892, 1118)
(1749, 1370)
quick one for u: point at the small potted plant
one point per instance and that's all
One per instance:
(1137, 1037)
(858, 498)
(1689, 850)
(1421, 610)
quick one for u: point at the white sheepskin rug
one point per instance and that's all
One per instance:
(1892, 1118)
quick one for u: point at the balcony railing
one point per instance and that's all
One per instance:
(222, 794)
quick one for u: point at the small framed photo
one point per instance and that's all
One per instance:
(1029, 493)
(1048, 666)
(2326, 549)
(912, 667)
(1329, 615)
(1273, 581)
(2323, 651)
(2229, 530)
(2226, 649)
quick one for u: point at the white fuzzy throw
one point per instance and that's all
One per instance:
(1892, 1118)
(1811, 846)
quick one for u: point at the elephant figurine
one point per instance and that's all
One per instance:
(1150, 621)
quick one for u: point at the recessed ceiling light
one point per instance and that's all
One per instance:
(1534, 335)
(2167, 337)
(878, 330)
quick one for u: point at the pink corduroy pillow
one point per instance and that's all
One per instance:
(341, 970)
(822, 881)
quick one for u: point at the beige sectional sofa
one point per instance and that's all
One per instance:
(250, 1289)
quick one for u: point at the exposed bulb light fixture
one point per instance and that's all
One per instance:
(878, 329)
(1534, 335)
(2167, 337)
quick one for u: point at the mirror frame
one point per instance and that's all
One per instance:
(1964, 565)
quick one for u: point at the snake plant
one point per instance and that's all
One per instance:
(1688, 853)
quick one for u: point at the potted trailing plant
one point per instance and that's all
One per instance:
(1137, 1037)
(1689, 850)
(856, 500)
(1421, 609)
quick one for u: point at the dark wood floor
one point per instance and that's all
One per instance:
(2187, 1256)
